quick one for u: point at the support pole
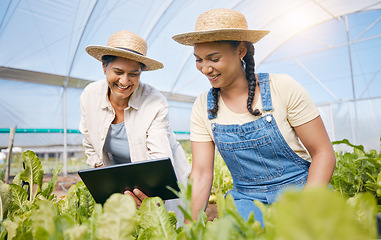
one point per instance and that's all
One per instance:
(64, 157)
(9, 155)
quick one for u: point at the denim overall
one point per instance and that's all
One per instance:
(260, 161)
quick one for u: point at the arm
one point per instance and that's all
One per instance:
(157, 135)
(92, 158)
(201, 174)
(315, 138)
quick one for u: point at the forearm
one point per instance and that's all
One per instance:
(315, 138)
(200, 194)
(201, 175)
(321, 169)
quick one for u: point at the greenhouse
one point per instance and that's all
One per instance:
(331, 47)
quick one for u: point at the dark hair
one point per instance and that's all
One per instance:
(250, 76)
(107, 59)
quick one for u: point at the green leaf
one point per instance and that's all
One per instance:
(11, 228)
(33, 171)
(118, 218)
(3, 231)
(5, 199)
(43, 220)
(49, 187)
(20, 196)
(225, 228)
(86, 203)
(76, 233)
(221, 205)
(92, 223)
(153, 215)
(365, 206)
(358, 147)
(316, 214)
(2, 174)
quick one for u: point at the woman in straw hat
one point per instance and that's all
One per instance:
(255, 120)
(124, 120)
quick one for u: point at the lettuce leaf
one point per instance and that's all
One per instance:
(118, 218)
(316, 213)
(153, 215)
(5, 199)
(33, 173)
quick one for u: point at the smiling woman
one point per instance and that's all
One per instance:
(254, 119)
(124, 120)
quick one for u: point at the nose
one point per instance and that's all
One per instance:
(206, 69)
(123, 79)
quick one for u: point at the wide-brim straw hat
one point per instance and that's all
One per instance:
(125, 44)
(220, 25)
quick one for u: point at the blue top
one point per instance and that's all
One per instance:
(116, 144)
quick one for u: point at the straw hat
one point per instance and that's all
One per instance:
(219, 25)
(128, 45)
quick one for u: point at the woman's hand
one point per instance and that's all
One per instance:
(138, 196)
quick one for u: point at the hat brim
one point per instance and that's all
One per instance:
(229, 34)
(99, 51)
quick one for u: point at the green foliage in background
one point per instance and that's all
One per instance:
(318, 213)
(357, 172)
(222, 180)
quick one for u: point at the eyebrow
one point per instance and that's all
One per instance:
(209, 55)
(119, 69)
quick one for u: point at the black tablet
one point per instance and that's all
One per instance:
(152, 177)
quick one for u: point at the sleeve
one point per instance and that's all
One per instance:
(157, 140)
(93, 159)
(199, 121)
(300, 106)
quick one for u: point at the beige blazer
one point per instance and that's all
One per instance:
(146, 122)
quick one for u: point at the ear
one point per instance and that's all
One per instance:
(104, 68)
(242, 50)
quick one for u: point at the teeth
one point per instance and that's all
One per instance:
(213, 77)
(121, 86)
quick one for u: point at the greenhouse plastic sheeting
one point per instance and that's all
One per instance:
(331, 47)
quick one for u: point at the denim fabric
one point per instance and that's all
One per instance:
(261, 162)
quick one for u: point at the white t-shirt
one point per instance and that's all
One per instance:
(292, 107)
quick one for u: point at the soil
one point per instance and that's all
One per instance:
(64, 183)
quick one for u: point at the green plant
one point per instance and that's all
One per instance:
(312, 214)
(357, 172)
(222, 179)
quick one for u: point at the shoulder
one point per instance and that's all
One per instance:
(151, 95)
(96, 87)
(282, 80)
(94, 90)
(201, 101)
(286, 87)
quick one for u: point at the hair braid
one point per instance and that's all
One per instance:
(215, 93)
(250, 76)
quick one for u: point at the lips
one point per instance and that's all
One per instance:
(214, 77)
(122, 87)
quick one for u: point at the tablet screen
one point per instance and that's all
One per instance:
(152, 177)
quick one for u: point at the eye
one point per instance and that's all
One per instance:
(118, 72)
(134, 74)
(215, 59)
(198, 60)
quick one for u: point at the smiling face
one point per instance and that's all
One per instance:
(220, 62)
(122, 78)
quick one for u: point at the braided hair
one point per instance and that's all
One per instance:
(250, 76)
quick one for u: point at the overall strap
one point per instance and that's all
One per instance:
(210, 104)
(264, 86)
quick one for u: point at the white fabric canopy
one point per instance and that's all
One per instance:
(331, 47)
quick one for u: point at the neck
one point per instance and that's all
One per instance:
(238, 88)
(118, 104)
